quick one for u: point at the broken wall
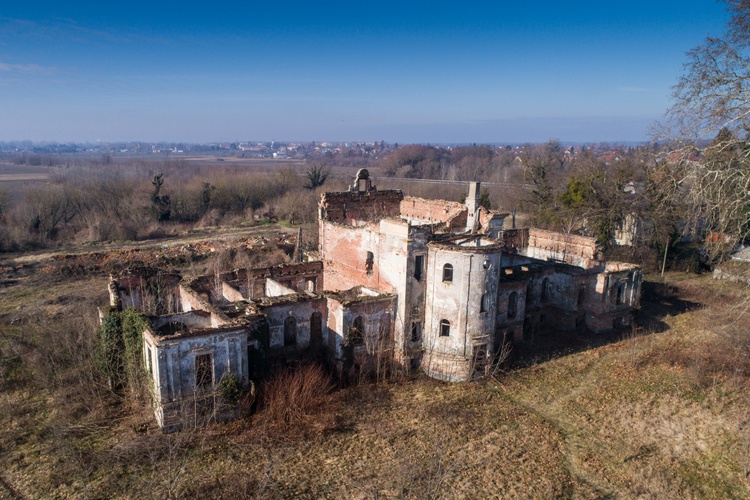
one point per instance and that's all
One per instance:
(301, 309)
(354, 208)
(580, 251)
(173, 364)
(450, 213)
(377, 316)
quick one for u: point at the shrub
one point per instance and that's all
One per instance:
(298, 401)
(231, 389)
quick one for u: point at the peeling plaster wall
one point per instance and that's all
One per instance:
(276, 289)
(300, 276)
(174, 369)
(191, 319)
(459, 302)
(505, 325)
(302, 311)
(334, 337)
(344, 252)
(605, 310)
(191, 300)
(378, 315)
(393, 244)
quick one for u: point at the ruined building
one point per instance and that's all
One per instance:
(434, 285)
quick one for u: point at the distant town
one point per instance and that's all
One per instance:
(24, 151)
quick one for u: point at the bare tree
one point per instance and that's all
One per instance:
(316, 177)
(712, 99)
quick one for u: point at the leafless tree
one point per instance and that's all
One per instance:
(712, 99)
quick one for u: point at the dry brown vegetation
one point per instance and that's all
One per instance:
(659, 412)
(85, 202)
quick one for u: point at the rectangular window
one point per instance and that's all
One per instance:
(204, 371)
(418, 266)
(416, 331)
(149, 364)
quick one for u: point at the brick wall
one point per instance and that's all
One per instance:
(352, 207)
(345, 257)
(579, 251)
(451, 213)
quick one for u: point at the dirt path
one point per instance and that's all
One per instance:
(213, 234)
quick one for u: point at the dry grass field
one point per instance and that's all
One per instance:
(660, 411)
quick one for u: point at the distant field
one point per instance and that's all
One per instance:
(23, 177)
(10, 173)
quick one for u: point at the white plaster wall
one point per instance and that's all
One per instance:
(174, 362)
(459, 302)
(276, 289)
(302, 311)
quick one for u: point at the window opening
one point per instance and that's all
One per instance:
(369, 262)
(316, 328)
(512, 305)
(416, 331)
(418, 266)
(204, 373)
(385, 326)
(357, 331)
(149, 361)
(447, 273)
(290, 331)
(445, 328)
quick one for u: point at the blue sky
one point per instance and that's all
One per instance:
(430, 72)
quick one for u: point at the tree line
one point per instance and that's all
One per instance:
(98, 201)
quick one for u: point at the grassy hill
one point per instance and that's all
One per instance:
(660, 411)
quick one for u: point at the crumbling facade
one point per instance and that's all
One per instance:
(427, 284)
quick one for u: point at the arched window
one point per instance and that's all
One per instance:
(369, 262)
(545, 289)
(357, 331)
(485, 304)
(447, 273)
(512, 305)
(290, 331)
(445, 328)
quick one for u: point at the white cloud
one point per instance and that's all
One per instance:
(22, 68)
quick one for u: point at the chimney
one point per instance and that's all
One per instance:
(297, 257)
(472, 204)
